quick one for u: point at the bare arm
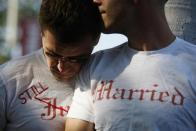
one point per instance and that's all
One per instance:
(78, 125)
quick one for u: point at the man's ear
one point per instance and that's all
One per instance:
(42, 33)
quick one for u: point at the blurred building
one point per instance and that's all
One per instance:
(19, 28)
(181, 16)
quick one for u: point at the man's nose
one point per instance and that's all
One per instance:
(61, 66)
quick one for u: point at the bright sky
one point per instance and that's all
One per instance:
(109, 40)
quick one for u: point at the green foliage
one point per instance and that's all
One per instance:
(2, 12)
(3, 59)
(2, 18)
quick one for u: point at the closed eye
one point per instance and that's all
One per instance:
(51, 55)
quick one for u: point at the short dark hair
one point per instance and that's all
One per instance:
(70, 20)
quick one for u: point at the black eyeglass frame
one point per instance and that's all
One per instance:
(81, 59)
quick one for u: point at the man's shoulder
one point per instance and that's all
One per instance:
(186, 44)
(111, 51)
(186, 53)
(18, 65)
(22, 59)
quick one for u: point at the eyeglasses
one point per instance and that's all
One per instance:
(73, 59)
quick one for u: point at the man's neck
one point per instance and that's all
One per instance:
(150, 43)
(150, 34)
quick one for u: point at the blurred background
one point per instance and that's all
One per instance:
(19, 30)
(20, 33)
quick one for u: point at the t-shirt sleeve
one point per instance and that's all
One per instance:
(2, 105)
(81, 107)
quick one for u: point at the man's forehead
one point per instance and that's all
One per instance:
(68, 51)
(82, 40)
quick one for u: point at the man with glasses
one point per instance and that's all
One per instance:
(36, 90)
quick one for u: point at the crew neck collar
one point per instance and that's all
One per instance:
(171, 46)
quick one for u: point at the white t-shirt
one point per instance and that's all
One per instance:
(139, 90)
(31, 99)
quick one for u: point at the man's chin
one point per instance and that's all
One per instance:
(109, 30)
(63, 78)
